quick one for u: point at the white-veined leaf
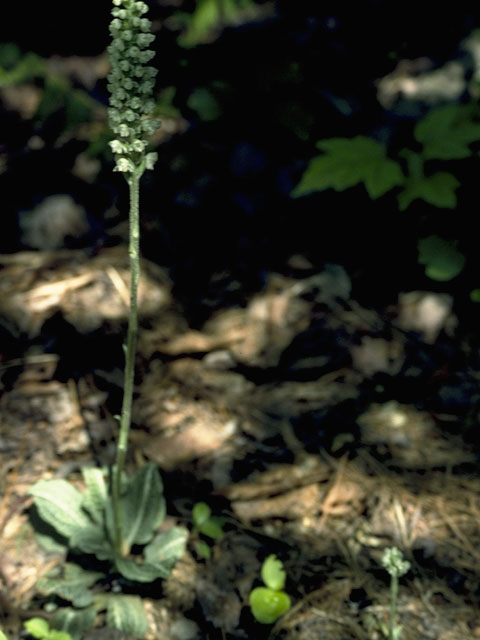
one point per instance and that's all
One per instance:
(143, 506)
(166, 548)
(127, 614)
(60, 504)
(93, 539)
(140, 572)
(72, 584)
(96, 495)
(73, 621)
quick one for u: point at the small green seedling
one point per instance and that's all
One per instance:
(270, 602)
(396, 566)
(208, 525)
(39, 628)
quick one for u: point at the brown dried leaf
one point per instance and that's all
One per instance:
(291, 505)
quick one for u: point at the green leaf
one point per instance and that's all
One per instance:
(96, 495)
(127, 614)
(160, 556)
(139, 572)
(75, 622)
(45, 535)
(447, 132)
(213, 528)
(73, 585)
(2, 635)
(60, 505)
(202, 549)
(441, 258)
(204, 103)
(200, 513)
(475, 295)
(273, 573)
(201, 22)
(28, 66)
(347, 162)
(438, 190)
(165, 106)
(210, 15)
(143, 506)
(37, 627)
(93, 539)
(166, 548)
(10, 54)
(58, 635)
(384, 176)
(268, 605)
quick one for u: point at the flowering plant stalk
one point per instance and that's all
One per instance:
(102, 521)
(397, 567)
(130, 82)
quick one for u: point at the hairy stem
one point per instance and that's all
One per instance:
(393, 606)
(130, 349)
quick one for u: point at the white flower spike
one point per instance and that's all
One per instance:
(131, 83)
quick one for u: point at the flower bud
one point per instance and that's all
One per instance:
(144, 39)
(140, 7)
(133, 52)
(146, 56)
(135, 103)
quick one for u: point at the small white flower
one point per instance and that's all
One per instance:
(117, 146)
(124, 165)
(150, 160)
(138, 145)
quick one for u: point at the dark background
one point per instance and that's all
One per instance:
(217, 207)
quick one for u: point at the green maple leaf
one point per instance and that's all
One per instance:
(438, 190)
(447, 132)
(347, 162)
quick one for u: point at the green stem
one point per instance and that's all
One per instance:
(130, 349)
(415, 163)
(393, 606)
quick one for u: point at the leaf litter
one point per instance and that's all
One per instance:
(319, 470)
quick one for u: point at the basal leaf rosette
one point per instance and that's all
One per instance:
(130, 82)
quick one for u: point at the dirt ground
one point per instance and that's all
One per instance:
(319, 430)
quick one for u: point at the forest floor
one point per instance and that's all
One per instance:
(318, 430)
